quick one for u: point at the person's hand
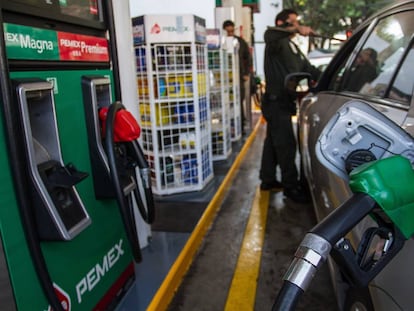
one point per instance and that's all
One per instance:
(246, 77)
(305, 30)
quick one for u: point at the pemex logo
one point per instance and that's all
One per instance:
(63, 297)
(156, 29)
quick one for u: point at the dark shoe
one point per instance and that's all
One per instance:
(297, 194)
(273, 186)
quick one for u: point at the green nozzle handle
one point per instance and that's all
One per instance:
(390, 182)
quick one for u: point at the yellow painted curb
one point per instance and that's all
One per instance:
(172, 281)
(242, 293)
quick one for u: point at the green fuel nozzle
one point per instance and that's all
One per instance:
(387, 182)
(390, 182)
(383, 190)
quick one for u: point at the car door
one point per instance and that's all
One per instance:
(390, 37)
(390, 92)
(315, 111)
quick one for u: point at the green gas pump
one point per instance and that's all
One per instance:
(64, 247)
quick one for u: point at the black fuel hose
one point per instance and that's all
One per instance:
(338, 223)
(316, 246)
(288, 297)
(124, 206)
(15, 149)
(148, 213)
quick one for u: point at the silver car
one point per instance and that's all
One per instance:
(375, 67)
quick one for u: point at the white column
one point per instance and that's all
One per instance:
(129, 92)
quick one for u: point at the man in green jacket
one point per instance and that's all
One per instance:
(282, 56)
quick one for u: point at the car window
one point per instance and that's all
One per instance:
(402, 88)
(335, 82)
(374, 66)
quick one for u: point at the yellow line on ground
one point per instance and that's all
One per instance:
(242, 292)
(172, 281)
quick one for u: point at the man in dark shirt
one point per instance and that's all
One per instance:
(282, 56)
(363, 71)
(245, 64)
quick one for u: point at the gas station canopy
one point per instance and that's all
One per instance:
(254, 4)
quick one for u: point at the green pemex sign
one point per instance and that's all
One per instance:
(24, 42)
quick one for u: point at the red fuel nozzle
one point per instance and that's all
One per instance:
(126, 127)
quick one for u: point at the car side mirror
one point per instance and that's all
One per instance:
(298, 83)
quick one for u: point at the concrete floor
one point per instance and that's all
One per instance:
(206, 285)
(207, 282)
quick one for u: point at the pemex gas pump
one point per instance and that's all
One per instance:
(381, 176)
(66, 243)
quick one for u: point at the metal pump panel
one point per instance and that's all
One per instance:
(59, 211)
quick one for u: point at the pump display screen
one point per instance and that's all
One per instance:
(81, 12)
(85, 9)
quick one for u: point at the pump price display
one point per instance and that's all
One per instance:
(24, 42)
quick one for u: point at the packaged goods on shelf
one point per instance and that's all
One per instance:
(180, 86)
(162, 114)
(160, 87)
(143, 87)
(234, 89)
(219, 97)
(175, 105)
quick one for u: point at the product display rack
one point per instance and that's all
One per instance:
(173, 94)
(219, 102)
(234, 88)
